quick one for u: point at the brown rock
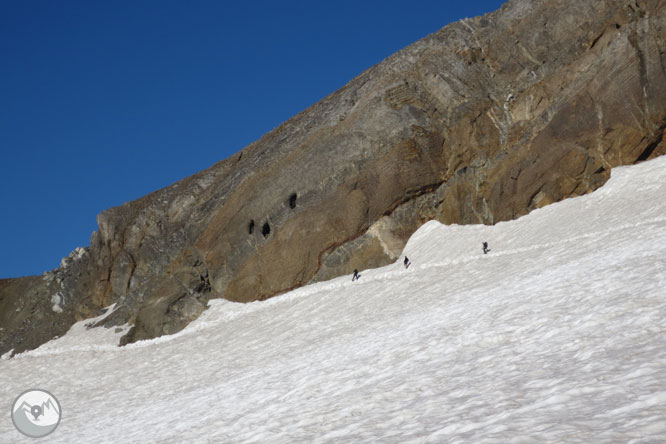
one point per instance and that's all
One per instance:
(480, 122)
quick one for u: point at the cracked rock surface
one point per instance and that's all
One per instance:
(480, 122)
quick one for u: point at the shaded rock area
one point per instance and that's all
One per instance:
(480, 122)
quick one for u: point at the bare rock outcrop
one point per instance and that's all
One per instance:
(479, 122)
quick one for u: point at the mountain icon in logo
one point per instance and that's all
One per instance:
(36, 413)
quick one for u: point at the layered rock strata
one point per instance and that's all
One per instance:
(480, 122)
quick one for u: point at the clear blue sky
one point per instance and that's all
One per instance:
(104, 102)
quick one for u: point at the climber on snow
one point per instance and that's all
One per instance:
(485, 248)
(356, 275)
(406, 262)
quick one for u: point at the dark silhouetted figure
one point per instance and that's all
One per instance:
(485, 248)
(406, 262)
(356, 275)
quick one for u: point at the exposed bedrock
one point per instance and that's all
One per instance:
(479, 122)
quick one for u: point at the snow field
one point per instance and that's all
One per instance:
(557, 335)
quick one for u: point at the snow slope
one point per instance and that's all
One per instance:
(557, 335)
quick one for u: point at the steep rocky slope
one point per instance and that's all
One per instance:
(480, 122)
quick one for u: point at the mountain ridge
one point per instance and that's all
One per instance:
(479, 122)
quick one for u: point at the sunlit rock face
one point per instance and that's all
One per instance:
(479, 122)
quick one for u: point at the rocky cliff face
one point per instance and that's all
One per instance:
(480, 122)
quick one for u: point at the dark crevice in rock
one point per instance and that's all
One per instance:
(647, 152)
(266, 229)
(131, 273)
(204, 284)
(596, 39)
(531, 202)
(292, 201)
(250, 226)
